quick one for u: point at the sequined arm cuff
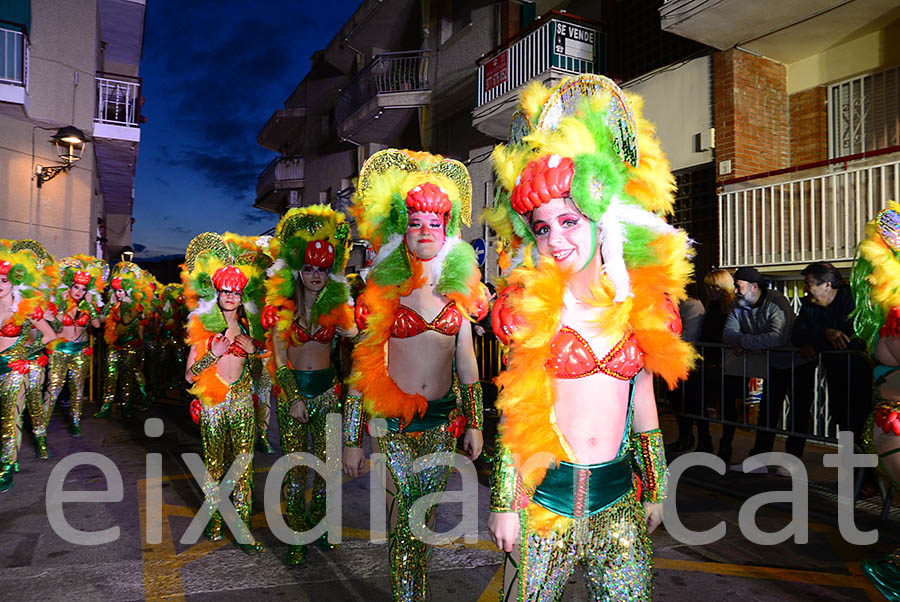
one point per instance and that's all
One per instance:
(354, 421)
(472, 399)
(203, 363)
(650, 457)
(284, 378)
(506, 489)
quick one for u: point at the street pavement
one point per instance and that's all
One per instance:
(37, 564)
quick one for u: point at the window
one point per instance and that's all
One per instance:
(864, 113)
(12, 56)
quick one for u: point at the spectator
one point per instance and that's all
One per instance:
(824, 327)
(759, 323)
(483, 326)
(685, 398)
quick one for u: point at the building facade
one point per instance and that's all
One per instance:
(70, 64)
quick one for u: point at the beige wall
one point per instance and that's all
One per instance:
(62, 214)
(678, 103)
(872, 52)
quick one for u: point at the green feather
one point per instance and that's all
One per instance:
(453, 224)
(458, 267)
(394, 270)
(867, 316)
(637, 249)
(334, 294)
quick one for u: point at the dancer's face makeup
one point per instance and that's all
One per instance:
(229, 300)
(564, 234)
(5, 286)
(76, 291)
(313, 277)
(425, 234)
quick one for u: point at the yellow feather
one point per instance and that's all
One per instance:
(533, 98)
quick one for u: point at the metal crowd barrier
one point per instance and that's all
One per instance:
(721, 378)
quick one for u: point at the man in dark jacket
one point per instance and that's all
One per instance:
(824, 327)
(759, 323)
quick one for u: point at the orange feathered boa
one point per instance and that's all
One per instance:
(208, 387)
(381, 395)
(527, 393)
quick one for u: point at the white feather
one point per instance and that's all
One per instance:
(251, 308)
(437, 267)
(275, 267)
(393, 242)
(612, 244)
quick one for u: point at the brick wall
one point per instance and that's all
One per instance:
(809, 126)
(752, 113)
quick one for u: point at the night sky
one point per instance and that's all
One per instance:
(213, 72)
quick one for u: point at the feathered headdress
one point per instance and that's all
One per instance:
(27, 271)
(315, 235)
(585, 139)
(88, 271)
(875, 275)
(216, 262)
(391, 180)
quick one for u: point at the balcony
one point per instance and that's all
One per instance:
(786, 219)
(556, 46)
(118, 112)
(14, 54)
(280, 184)
(782, 31)
(284, 128)
(379, 102)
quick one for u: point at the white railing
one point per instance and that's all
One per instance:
(117, 102)
(12, 56)
(796, 221)
(405, 71)
(509, 68)
(279, 170)
(863, 113)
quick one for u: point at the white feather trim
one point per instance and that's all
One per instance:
(251, 308)
(393, 242)
(16, 298)
(437, 266)
(612, 245)
(204, 307)
(275, 267)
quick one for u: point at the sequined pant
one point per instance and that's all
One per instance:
(309, 437)
(408, 555)
(11, 394)
(71, 367)
(124, 362)
(262, 387)
(612, 545)
(226, 430)
(34, 381)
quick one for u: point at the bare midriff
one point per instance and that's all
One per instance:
(422, 364)
(309, 356)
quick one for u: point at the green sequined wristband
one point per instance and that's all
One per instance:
(284, 378)
(504, 481)
(650, 457)
(203, 363)
(354, 421)
(472, 398)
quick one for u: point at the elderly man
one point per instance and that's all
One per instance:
(759, 323)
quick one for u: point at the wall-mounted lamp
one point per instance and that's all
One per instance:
(70, 143)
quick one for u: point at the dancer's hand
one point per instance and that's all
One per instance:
(653, 515)
(220, 345)
(504, 529)
(472, 443)
(246, 343)
(354, 459)
(298, 411)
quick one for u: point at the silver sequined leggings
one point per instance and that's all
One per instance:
(408, 555)
(612, 545)
(71, 367)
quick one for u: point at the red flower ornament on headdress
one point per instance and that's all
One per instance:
(83, 278)
(431, 198)
(319, 253)
(116, 283)
(549, 177)
(5, 267)
(229, 278)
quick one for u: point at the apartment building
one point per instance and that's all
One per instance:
(70, 122)
(445, 75)
(807, 123)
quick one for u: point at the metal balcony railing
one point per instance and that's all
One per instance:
(803, 218)
(118, 100)
(388, 72)
(278, 170)
(557, 43)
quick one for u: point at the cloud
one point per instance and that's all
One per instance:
(138, 247)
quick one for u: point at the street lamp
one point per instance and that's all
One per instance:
(69, 143)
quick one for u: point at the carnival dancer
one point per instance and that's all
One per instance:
(583, 183)
(223, 287)
(23, 288)
(172, 352)
(76, 303)
(874, 279)
(309, 304)
(422, 292)
(123, 332)
(37, 348)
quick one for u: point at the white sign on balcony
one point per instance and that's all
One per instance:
(574, 41)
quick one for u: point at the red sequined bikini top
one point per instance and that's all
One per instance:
(572, 357)
(300, 335)
(408, 323)
(81, 320)
(235, 349)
